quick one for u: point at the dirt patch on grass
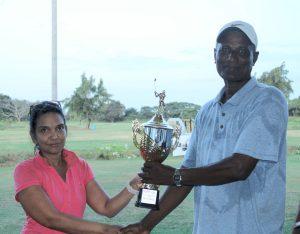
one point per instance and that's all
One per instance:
(294, 150)
(13, 159)
(293, 133)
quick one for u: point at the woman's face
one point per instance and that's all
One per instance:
(50, 133)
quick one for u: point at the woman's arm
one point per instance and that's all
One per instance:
(101, 203)
(37, 204)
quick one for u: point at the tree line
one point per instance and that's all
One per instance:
(92, 102)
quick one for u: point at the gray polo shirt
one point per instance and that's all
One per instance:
(252, 122)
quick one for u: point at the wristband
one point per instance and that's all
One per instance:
(131, 190)
(297, 225)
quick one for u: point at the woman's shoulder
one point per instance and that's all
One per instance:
(26, 169)
(26, 164)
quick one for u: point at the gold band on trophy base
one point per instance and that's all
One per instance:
(155, 139)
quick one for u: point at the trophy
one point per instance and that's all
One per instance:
(156, 140)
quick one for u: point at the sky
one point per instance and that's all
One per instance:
(129, 43)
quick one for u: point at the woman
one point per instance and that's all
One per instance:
(55, 185)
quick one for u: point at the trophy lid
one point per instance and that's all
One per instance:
(158, 121)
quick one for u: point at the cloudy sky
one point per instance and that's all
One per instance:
(128, 43)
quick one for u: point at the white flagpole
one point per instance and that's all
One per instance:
(54, 50)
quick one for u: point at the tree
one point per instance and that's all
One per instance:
(114, 111)
(88, 99)
(294, 107)
(13, 109)
(102, 97)
(131, 113)
(278, 77)
(184, 110)
(20, 109)
(5, 107)
(147, 112)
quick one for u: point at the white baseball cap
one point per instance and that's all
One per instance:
(244, 27)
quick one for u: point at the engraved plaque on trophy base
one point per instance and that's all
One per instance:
(148, 198)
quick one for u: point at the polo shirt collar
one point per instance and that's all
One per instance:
(237, 97)
(68, 156)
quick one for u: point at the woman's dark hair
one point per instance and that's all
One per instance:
(41, 108)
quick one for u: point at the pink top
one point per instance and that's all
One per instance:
(67, 196)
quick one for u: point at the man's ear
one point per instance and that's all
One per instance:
(215, 55)
(255, 57)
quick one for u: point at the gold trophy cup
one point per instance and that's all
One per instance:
(156, 140)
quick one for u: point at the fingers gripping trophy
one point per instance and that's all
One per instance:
(156, 140)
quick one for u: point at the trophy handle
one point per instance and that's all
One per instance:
(136, 129)
(176, 135)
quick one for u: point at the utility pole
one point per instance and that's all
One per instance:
(54, 50)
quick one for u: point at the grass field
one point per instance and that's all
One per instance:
(16, 145)
(15, 142)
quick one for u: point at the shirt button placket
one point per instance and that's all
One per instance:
(222, 120)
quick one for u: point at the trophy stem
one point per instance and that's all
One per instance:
(150, 186)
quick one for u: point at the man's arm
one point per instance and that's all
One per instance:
(235, 168)
(169, 201)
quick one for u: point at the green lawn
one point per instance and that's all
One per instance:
(113, 174)
(15, 142)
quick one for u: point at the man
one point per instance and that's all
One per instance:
(236, 156)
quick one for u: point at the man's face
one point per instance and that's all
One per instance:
(235, 56)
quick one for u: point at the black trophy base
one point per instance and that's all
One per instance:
(148, 198)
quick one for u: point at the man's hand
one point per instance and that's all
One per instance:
(136, 228)
(156, 173)
(296, 231)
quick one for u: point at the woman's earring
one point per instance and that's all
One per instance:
(36, 148)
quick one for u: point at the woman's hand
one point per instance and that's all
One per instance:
(136, 228)
(136, 182)
(109, 229)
